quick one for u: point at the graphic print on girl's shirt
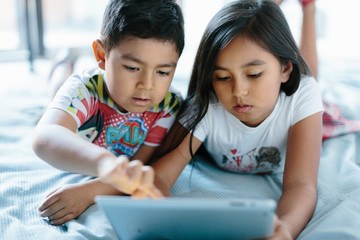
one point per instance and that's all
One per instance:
(259, 160)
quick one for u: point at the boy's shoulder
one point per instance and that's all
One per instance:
(171, 102)
(92, 81)
(92, 74)
(175, 93)
(92, 77)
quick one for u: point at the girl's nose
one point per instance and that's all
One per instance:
(240, 88)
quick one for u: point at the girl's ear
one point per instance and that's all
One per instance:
(99, 53)
(286, 71)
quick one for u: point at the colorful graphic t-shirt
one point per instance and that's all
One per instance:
(99, 120)
(261, 149)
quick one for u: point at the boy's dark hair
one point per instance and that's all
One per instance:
(160, 19)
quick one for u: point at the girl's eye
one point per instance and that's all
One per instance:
(254, 75)
(163, 73)
(132, 68)
(222, 78)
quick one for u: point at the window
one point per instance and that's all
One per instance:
(13, 38)
(71, 23)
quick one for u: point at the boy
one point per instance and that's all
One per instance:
(122, 107)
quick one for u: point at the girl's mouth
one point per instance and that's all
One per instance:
(243, 108)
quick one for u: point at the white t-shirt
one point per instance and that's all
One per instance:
(262, 149)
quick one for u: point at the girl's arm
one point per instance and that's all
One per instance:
(298, 200)
(169, 167)
(56, 143)
(308, 38)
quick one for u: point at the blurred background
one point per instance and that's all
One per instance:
(36, 34)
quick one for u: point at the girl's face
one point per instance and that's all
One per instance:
(247, 80)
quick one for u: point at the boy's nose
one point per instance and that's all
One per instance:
(146, 81)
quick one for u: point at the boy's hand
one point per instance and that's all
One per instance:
(132, 178)
(66, 203)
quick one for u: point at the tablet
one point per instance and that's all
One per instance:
(186, 218)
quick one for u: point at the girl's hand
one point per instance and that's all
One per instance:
(281, 232)
(66, 203)
(278, 1)
(132, 178)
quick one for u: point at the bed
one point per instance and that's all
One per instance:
(25, 179)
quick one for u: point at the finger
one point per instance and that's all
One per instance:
(135, 173)
(59, 214)
(63, 219)
(62, 213)
(109, 165)
(116, 172)
(52, 192)
(51, 210)
(121, 165)
(122, 161)
(130, 181)
(48, 202)
(147, 183)
(154, 192)
(139, 194)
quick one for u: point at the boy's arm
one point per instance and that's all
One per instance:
(71, 200)
(298, 200)
(56, 143)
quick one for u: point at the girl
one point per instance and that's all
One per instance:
(255, 108)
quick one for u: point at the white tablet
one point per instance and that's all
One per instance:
(184, 218)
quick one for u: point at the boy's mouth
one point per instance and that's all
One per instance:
(141, 101)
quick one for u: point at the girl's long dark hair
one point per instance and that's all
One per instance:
(261, 21)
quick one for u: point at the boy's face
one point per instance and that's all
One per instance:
(139, 72)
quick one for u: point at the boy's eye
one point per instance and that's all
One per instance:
(254, 75)
(163, 73)
(132, 68)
